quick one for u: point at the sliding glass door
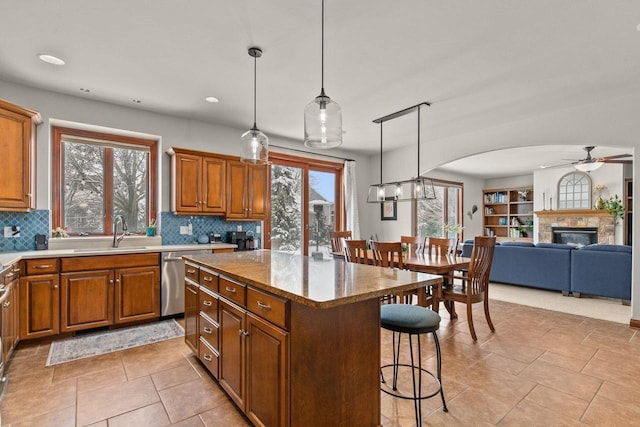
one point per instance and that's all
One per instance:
(306, 200)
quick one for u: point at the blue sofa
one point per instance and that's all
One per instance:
(600, 270)
(603, 270)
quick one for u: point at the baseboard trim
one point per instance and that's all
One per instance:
(634, 323)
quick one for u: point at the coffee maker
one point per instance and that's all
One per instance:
(238, 238)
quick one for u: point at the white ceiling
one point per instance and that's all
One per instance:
(481, 64)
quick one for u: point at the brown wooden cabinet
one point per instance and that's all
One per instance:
(508, 213)
(198, 183)
(111, 289)
(191, 313)
(17, 145)
(232, 350)
(39, 306)
(247, 191)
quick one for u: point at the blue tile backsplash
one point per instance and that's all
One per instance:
(170, 227)
(32, 223)
(37, 222)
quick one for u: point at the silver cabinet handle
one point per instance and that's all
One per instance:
(207, 357)
(190, 271)
(55, 286)
(230, 290)
(243, 333)
(207, 330)
(207, 303)
(264, 306)
(7, 304)
(111, 281)
(208, 279)
(42, 266)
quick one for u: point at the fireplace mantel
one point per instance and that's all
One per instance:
(579, 218)
(573, 213)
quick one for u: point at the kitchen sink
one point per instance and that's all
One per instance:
(108, 249)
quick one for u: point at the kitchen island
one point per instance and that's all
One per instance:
(295, 341)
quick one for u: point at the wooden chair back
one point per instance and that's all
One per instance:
(438, 246)
(387, 254)
(337, 238)
(415, 244)
(356, 251)
(480, 265)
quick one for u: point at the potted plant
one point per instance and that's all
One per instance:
(615, 208)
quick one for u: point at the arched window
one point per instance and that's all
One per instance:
(574, 191)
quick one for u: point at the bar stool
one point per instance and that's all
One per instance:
(414, 321)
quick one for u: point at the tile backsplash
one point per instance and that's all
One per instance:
(37, 222)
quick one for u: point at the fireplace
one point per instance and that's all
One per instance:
(575, 235)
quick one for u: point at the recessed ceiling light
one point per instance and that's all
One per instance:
(212, 99)
(50, 59)
(84, 89)
(136, 101)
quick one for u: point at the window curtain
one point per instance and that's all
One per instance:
(351, 199)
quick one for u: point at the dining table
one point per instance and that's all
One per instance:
(443, 265)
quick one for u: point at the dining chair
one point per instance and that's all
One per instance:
(415, 244)
(442, 246)
(337, 238)
(356, 251)
(474, 286)
(388, 255)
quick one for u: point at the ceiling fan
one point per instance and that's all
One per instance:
(589, 163)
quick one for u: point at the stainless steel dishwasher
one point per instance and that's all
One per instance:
(172, 289)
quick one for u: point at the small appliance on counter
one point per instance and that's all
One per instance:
(238, 238)
(42, 243)
(215, 238)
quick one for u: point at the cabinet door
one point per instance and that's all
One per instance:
(187, 183)
(267, 373)
(236, 191)
(7, 309)
(87, 300)
(213, 185)
(258, 191)
(191, 314)
(16, 145)
(137, 294)
(39, 306)
(232, 327)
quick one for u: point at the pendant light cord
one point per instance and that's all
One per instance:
(418, 175)
(255, 67)
(380, 153)
(322, 56)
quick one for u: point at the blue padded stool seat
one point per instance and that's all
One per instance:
(414, 321)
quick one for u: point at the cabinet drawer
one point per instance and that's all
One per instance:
(40, 266)
(191, 271)
(209, 279)
(232, 290)
(209, 331)
(209, 357)
(268, 306)
(208, 303)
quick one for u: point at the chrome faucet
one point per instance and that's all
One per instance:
(116, 239)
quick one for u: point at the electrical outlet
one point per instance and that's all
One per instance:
(258, 229)
(7, 232)
(184, 229)
(239, 228)
(12, 231)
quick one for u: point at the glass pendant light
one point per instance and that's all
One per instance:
(254, 143)
(322, 116)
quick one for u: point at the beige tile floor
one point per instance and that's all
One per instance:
(539, 368)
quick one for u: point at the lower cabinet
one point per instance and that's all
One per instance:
(232, 333)
(191, 313)
(10, 330)
(39, 306)
(87, 300)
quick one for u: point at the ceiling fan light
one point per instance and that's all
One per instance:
(588, 166)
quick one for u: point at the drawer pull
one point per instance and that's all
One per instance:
(207, 357)
(207, 303)
(243, 333)
(230, 290)
(7, 304)
(263, 306)
(190, 271)
(42, 266)
(208, 279)
(208, 330)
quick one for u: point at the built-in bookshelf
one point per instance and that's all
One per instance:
(507, 213)
(628, 211)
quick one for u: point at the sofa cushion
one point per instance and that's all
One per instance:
(525, 244)
(602, 270)
(607, 248)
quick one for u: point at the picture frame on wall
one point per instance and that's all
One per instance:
(389, 210)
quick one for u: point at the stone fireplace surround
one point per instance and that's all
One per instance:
(576, 218)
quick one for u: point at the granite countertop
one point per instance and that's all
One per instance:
(318, 284)
(131, 247)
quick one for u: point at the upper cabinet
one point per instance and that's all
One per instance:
(214, 184)
(248, 190)
(17, 145)
(198, 183)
